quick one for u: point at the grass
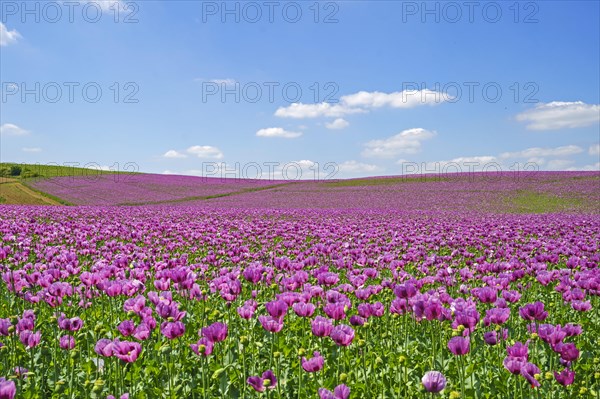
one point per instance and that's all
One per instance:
(536, 202)
(382, 181)
(29, 171)
(13, 192)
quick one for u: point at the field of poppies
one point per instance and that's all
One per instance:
(226, 302)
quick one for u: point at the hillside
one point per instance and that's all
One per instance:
(534, 192)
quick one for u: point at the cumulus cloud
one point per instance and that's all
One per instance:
(174, 154)
(560, 115)
(278, 132)
(357, 167)
(9, 129)
(8, 36)
(337, 124)
(108, 5)
(205, 151)
(593, 167)
(361, 102)
(406, 142)
(302, 111)
(559, 164)
(594, 149)
(536, 152)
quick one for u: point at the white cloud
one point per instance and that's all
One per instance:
(362, 102)
(8, 129)
(8, 36)
(107, 5)
(536, 152)
(455, 165)
(337, 124)
(174, 154)
(205, 151)
(594, 168)
(594, 149)
(226, 82)
(559, 164)
(357, 167)
(560, 115)
(277, 132)
(398, 99)
(31, 149)
(301, 111)
(405, 142)
(98, 167)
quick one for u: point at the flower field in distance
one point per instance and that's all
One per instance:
(450, 288)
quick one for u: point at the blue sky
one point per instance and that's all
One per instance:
(384, 84)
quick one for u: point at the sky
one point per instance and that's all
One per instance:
(301, 90)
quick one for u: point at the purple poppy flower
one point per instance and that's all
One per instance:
(377, 309)
(203, 347)
(271, 324)
(342, 335)
(266, 381)
(25, 323)
(5, 325)
(141, 332)
(364, 310)
(172, 330)
(433, 310)
(169, 311)
(497, 316)
(127, 351)
(467, 318)
(216, 332)
(313, 364)
(29, 338)
(565, 377)
(104, 347)
(459, 345)
(572, 329)
(529, 370)
(433, 381)
(246, 312)
(581, 306)
(356, 320)
(491, 338)
(339, 392)
(126, 327)
(551, 334)
(568, 352)
(519, 351)
(73, 324)
(486, 294)
(253, 274)
(67, 342)
(336, 311)
(399, 306)
(277, 308)
(513, 364)
(304, 309)
(8, 389)
(321, 326)
(533, 311)
(405, 291)
(135, 304)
